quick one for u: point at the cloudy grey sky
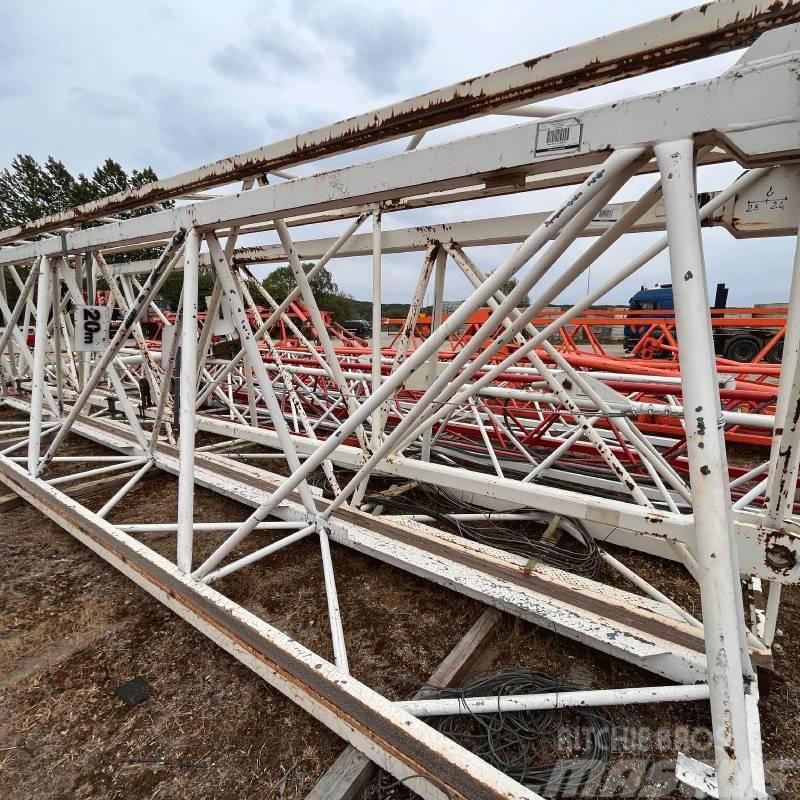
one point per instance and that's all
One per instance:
(176, 84)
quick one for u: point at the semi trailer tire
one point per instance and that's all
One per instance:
(775, 355)
(742, 349)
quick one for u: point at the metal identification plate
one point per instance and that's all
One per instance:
(91, 329)
(609, 214)
(558, 136)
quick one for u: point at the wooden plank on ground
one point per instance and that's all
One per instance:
(83, 489)
(346, 778)
(349, 775)
(463, 656)
(92, 488)
(9, 501)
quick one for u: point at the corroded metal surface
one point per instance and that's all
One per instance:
(685, 36)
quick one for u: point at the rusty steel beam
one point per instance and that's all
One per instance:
(685, 36)
(549, 180)
(764, 135)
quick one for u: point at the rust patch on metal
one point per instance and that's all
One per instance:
(780, 558)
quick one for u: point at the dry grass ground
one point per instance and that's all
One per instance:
(72, 630)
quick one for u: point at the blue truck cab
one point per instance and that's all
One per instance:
(653, 300)
(736, 344)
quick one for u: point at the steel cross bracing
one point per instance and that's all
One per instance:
(695, 33)
(493, 402)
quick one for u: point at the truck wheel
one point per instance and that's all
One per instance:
(743, 349)
(775, 356)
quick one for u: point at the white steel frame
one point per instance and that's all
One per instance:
(360, 420)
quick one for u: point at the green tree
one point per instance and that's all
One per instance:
(328, 295)
(30, 190)
(509, 286)
(170, 292)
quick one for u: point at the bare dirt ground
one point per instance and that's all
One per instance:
(72, 630)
